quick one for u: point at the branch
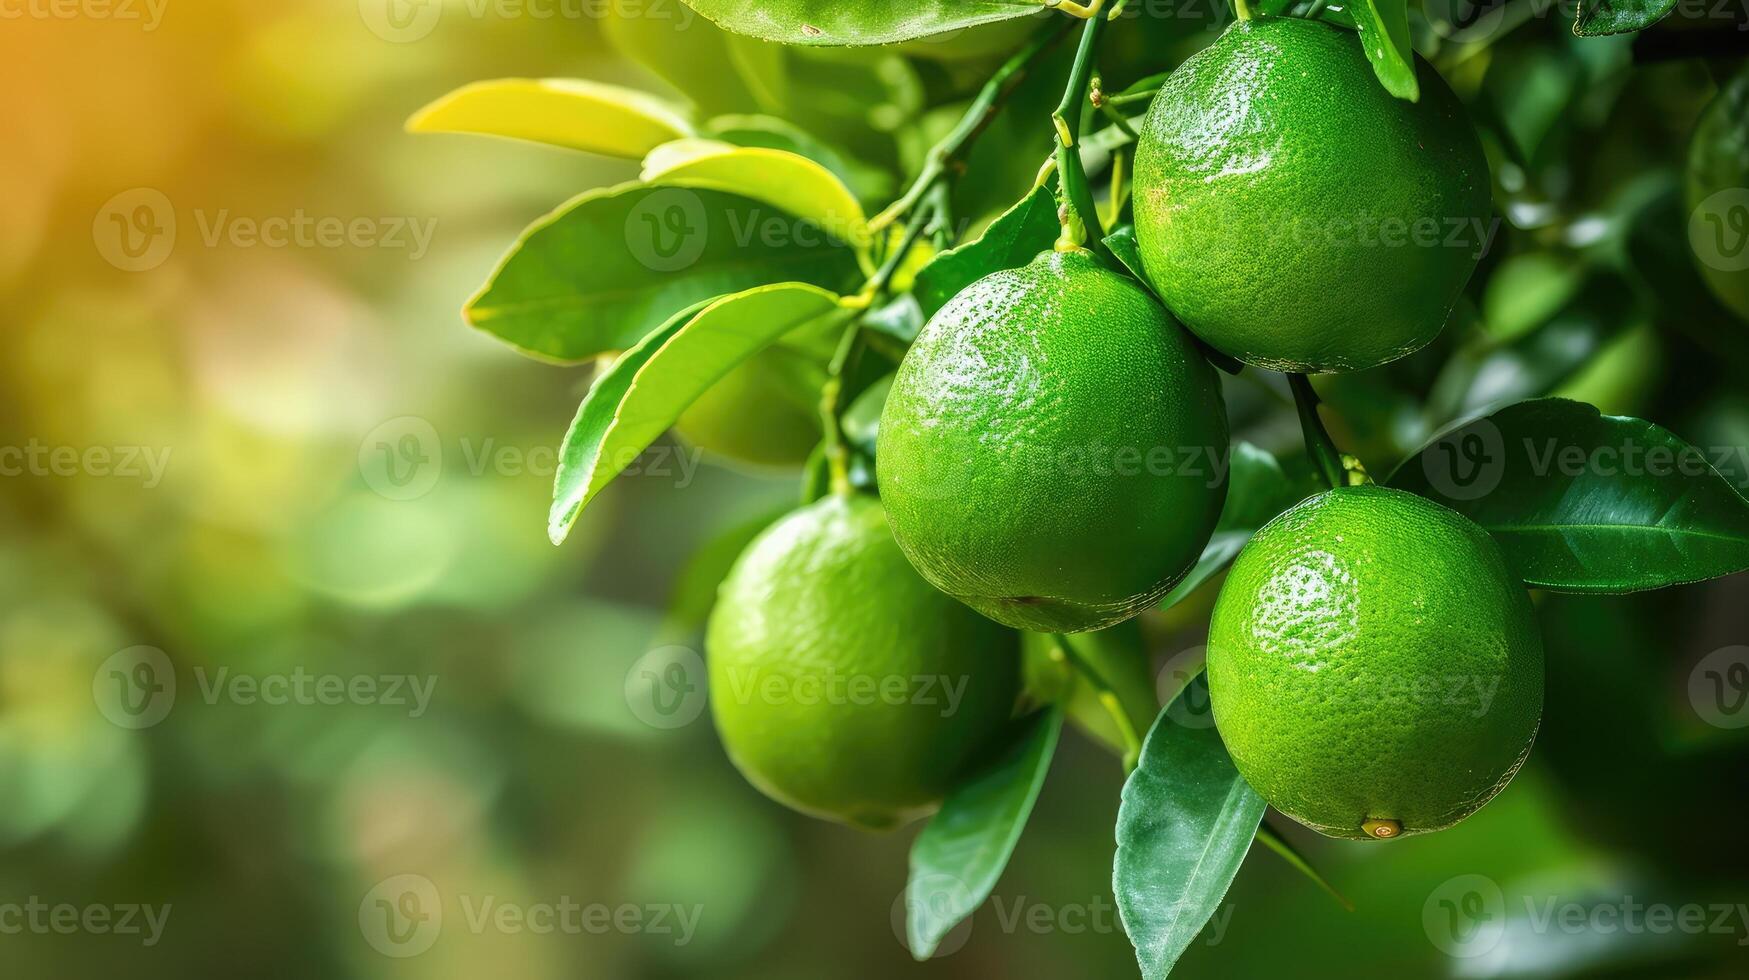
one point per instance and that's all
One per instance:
(1319, 446)
(1079, 211)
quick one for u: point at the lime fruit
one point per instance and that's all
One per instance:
(1375, 669)
(1295, 215)
(1718, 194)
(843, 685)
(1053, 450)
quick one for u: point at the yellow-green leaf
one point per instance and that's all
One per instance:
(567, 112)
(787, 181)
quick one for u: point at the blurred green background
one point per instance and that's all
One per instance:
(281, 477)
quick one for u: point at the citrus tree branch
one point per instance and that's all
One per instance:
(1319, 446)
(1081, 224)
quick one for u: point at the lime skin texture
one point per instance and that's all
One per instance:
(1296, 216)
(1718, 194)
(842, 684)
(1375, 669)
(1053, 450)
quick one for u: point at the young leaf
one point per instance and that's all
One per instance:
(960, 854)
(1257, 490)
(611, 265)
(859, 22)
(567, 112)
(649, 387)
(1599, 17)
(787, 181)
(1011, 241)
(681, 48)
(1584, 502)
(1384, 35)
(1185, 825)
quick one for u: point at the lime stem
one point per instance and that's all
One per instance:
(1320, 448)
(1242, 8)
(1109, 699)
(1076, 192)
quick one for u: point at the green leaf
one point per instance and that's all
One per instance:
(858, 22)
(1584, 502)
(1186, 822)
(651, 385)
(772, 133)
(1539, 362)
(682, 49)
(1599, 17)
(1257, 490)
(611, 265)
(1285, 849)
(787, 181)
(960, 854)
(1384, 35)
(567, 112)
(1011, 241)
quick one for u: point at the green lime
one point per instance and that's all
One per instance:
(1718, 194)
(765, 412)
(1293, 214)
(843, 685)
(1054, 448)
(1375, 669)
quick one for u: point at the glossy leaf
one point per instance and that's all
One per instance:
(1011, 241)
(1584, 502)
(1384, 34)
(567, 112)
(1598, 17)
(859, 22)
(684, 50)
(957, 859)
(1185, 825)
(787, 181)
(772, 133)
(608, 267)
(648, 388)
(1257, 490)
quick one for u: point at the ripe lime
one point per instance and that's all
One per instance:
(1053, 451)
(1295, 215)
(842, 684)
(1375, 669)
(1718, 194)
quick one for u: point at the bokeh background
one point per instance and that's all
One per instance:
(282, 641)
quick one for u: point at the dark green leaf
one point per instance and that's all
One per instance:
(1257, 490)
(651, 385)
(608, 267)
(841, 22)
(1285, 849)
(1599, 17)
(958, 857)
(1583, 502)
(1384, 34)
(1011, 241)
(1186, 822)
